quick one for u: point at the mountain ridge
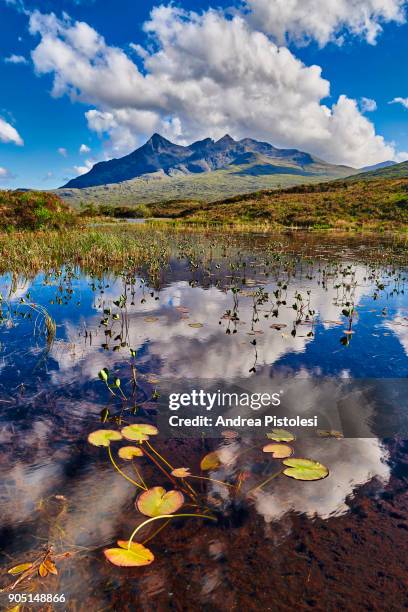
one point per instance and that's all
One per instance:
(159, 156)
(393, 171)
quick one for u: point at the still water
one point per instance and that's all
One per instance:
(327, 322)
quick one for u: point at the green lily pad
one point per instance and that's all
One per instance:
(103, 437)
(137, 556)
(157, 501)
(128, 452)
(210, 462)
(139, 432)
(279, 451)
(280, 435)
(305, 469)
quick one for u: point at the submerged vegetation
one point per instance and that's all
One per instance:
(158, 504)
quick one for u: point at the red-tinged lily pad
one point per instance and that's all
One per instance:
(305, 469)
(157, 501)
(280, 435)
(103, 437)
(137, 556)
(210, 462)
(181, 472)
(279, 451)
(125, 544)
(128, 452)
(139, 432)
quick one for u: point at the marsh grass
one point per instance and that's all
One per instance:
(377, 205)
(92, 249)
(149, 247)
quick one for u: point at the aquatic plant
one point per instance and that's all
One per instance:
(157, 503)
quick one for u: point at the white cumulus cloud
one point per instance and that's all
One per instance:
(402, 101)
(83, 149)
(84, 168)
(204, 75)
(324, 20)
(9, 134)
(368, 105)
(15, 59)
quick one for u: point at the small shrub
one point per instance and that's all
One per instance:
(33, 210)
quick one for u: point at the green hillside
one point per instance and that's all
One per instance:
(336, 204)
(252, 175)
(391, 172)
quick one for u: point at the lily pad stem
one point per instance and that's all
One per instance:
(265, 482)
(165, 516)
(117, 468)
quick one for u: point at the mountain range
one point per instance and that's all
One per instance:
(207, 171)
(160, 157)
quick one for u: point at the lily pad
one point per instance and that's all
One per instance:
(103, 437)
(279, 451)
(139, 432)
(157, 501)
(195, 325)
(128, 452)
(305, 469)
(137, 556)
(210, 462)
(181, 472)
(280, 435)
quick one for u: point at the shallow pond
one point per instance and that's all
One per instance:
(322, 320)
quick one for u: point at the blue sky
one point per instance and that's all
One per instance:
(313, 79)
